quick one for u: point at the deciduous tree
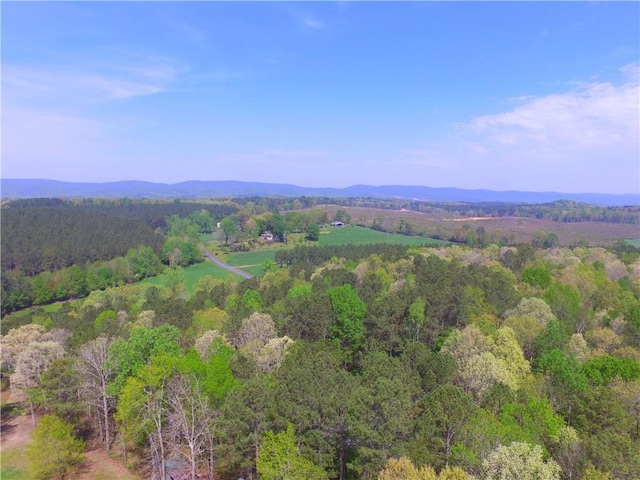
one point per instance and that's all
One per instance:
(519, 461)
(55, 450)
(280, 459)
(96, 372)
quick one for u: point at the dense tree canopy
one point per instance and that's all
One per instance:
(345, 362)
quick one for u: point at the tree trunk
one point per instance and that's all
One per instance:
(212, 460)
(33, 413)
(341, 465)
(105, 410)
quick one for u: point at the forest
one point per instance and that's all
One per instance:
(468, 361)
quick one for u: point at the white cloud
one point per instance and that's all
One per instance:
(585, 139)
(597, 115)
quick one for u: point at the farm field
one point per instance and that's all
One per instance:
(440, 224)
(355, 235)
(252, 262)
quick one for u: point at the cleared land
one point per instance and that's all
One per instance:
(441, 224)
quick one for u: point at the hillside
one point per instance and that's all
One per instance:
(33, 188)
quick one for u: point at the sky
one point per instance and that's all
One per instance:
(532, 96)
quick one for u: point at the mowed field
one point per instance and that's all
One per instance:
(355, 235)
(192, 274)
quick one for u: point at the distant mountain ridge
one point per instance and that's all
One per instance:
(32, 188)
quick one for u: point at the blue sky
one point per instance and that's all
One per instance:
(539, 96)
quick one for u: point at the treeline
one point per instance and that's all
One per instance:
(501, 362)
(558, 211)
(150, 212)
(20, 291)
(316, 255)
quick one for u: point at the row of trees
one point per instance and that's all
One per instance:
(557, 211)
(19, 291)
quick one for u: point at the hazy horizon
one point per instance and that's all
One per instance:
(527, 96)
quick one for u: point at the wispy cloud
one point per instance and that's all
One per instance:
(51, 145)
(308, 21)
(51, 123)
(280, 157)
(72, 85)
(426, 158)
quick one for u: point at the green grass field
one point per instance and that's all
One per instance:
(12, 473)
(250, 259)
(354, 235)
(192, 274)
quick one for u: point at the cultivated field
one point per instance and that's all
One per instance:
(445, 224)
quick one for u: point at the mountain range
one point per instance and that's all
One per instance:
(35, 188)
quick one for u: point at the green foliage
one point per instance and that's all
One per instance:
(144, 262)
(537, 277)
(534, 422)
(602, 370)
(553, 337)
(55, 450)
(349, 312)
(565, 371)
(446, 410)
(252, 301)
(313, 232)
(421, 353)
(179, 252)
(279, 459)
(59, 386)
(565, 301)
(127, 357)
